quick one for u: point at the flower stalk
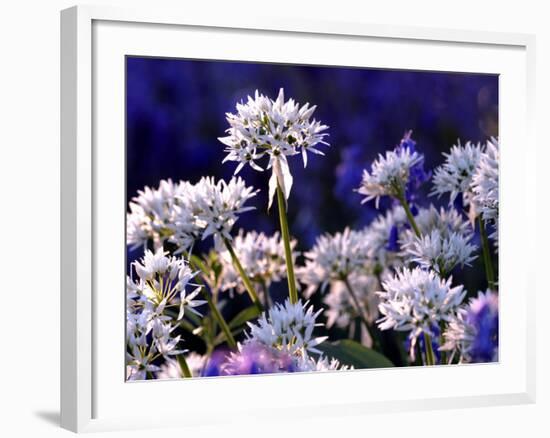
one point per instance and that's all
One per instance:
(430, 356)
(184, 367)
(215, 311)
(246, 281)
(486, 253)
(292, 292)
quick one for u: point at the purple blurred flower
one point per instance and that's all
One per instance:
(256, 358)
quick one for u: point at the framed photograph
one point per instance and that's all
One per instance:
(302, 218)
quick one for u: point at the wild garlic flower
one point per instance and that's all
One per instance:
(287, 327)
(446, 220)
(341, 309)
(171, 369)
(440, 251)
(141, 352)
(276, 128)
(389, 174)
(417, 300)
(455, 175)
(473, 332)
(151, 215)
(485, 185)
(321, 364)
(217, 205)
(262, 258)
(333, 257)
(164, 281)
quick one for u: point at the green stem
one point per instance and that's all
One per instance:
(184, 367)
(247, 283)
(214, 309)
(361, 311)
(486, 253)
(221, 321)
(292, 292)
(403, 200)
(430, 357)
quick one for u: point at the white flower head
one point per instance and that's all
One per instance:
(485, 182)
(440, 251)
(171, 368)
(217, 205)
(165, 280)
(262, 258)
(455, 175)
(151, 215)
(287, 327)
(277, 128)
(389, 174)
(321, 364)
(334, 257)
(416, 301)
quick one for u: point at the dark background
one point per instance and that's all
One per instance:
(176, 111)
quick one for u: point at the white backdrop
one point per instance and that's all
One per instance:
(29, 217)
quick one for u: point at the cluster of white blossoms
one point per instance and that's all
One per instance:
(389, 174)
(163, 282)
(417, 301)
(171, 368)
(485, 185)
(151, 215)
(288, 327)
(262, 258)
(440, 251)
(473, 331)
(183, 213)
(276, 128)
(472, 171)
(217, 205)
(333, 258)
(281, 341)
(445, 240)
(455, 175)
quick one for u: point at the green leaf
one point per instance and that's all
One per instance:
(349, 352)
(244, 316)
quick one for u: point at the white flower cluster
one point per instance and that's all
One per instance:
(440, 252)
(171, 368)
(262, 258)
(389, 174)
(276, 128)
(322, 364)
(485, 185)
(151, 216)
(455, 175)
(183, 213)
(162, 283)
(444, 243)
(216, 205)
(416, 301)
(288, 327)
(334, 257)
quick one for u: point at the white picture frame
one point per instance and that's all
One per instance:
(92, 42)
